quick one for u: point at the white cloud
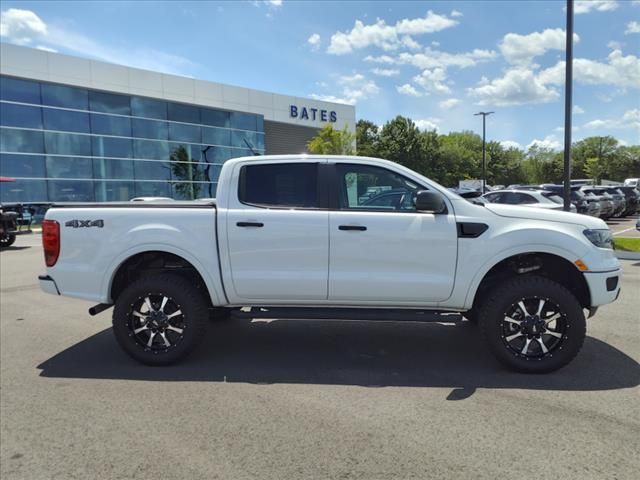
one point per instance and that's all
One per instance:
(586, 6)
(385, 72)
(21, 27)
(619, 71)
(332, 98)
(455, 13)
(613, 45)
(430, 23)
(430, 123)
(410, 43)
(522, 49)
(408, 89)
(354, 88)
(550, 141)
(387, 37)
(314, 41)
(386, 59)
(632, 27)
(435, 43)
(435, 58)
(630, 119)
(510, 144)
(574, 128)
(449, 103)
(433, 80)
(269, 3)
(24, 27)
(577, 110)
(518, 86)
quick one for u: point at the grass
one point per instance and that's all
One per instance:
(627, 244)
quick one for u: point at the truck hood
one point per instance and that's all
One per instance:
(532, 213)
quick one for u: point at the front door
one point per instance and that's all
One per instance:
(381, 249)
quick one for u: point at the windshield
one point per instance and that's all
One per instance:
(553, 197)
(577, 195)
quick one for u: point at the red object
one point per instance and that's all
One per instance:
(51, 241)
(7, 179)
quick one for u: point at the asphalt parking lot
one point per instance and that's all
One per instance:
(624, 227)
(306, 399)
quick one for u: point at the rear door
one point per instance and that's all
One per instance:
(277, 224)
(386, 254)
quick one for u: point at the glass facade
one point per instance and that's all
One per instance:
(63, 143)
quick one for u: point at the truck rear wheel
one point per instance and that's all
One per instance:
(533, 324)
(7, 240)
(159, 319)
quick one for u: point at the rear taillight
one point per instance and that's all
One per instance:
(51, 241)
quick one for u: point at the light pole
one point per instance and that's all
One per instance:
(568, 87)
(484, 154)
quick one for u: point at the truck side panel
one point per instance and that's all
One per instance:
(90, 255)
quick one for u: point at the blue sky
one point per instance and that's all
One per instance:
(436, 62)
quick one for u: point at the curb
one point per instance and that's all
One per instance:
(622, 255)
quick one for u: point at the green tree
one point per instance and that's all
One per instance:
(367, 139)
(400, 142)
(604, 149)
(538, 164)
(460, 157)
(504, 166)
(330, 141)
(595, 169)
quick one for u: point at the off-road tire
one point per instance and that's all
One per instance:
(492, 323)
(184, 295)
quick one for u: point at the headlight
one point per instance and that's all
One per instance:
(600, 238)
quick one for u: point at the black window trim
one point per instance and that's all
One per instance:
(321, 187)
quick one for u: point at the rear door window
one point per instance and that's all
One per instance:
(284, 185)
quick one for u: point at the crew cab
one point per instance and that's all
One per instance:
(300, 231)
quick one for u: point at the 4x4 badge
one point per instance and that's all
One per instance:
(84, 223)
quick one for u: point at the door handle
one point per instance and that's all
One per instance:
(358, 228)
(250, 224)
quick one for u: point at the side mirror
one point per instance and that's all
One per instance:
(428, 201)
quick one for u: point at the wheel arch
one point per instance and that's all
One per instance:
(136, 263)
(556, 265)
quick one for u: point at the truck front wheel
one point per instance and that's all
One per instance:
(533, 324)
(159, 319)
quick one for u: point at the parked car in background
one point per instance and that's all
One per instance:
(607, 205)
(619, 199)
(632, 182)
(528, 198)
(576, 196)
(474, 196)
(594, 203)
(633, 199)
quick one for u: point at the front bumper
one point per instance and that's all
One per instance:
(604, 287)
(48, 285)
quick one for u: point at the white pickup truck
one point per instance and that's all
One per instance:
(327, 232)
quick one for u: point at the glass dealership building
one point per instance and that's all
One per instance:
(79, 130)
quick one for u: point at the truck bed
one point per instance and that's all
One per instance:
(175, 204)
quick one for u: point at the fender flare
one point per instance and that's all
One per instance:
(215, 293)
(503, 255)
